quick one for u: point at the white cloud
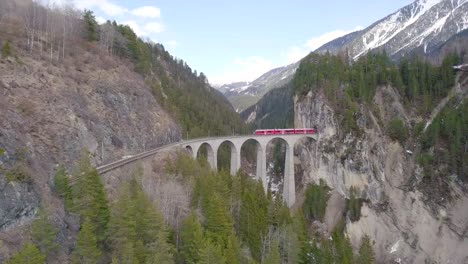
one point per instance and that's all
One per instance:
(154, 27)
(295, 53)
(147, 11)
(245, 69)
(136, 28)
(105, 6)
(100, 20)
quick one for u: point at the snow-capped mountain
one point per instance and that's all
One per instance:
(244, 94)
(424, 24)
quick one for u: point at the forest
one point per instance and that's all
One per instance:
(231, 220)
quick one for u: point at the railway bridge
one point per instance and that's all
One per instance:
(235, 143)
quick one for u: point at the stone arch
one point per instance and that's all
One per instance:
(189, 150)
(276, 153)
(234, 165)
(210, 155)
(260, 167)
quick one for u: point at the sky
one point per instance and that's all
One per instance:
(232, 41)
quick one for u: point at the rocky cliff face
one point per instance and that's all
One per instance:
(50, 113)
(406, 226)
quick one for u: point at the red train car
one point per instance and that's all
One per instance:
(287, 131)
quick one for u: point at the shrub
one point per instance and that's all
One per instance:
(316, 201)
(19, 173)
(6, 49)
(353, 205)
(397, 130)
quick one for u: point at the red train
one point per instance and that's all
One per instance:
(287, 131)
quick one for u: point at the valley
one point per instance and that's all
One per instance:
(114, 150)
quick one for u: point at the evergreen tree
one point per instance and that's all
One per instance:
(43, 233)
(30, 254)
(211, 253)
(366, 252)
(62, 187)
(191, 236)
(86, 249)
(90, 196)
(92, 26)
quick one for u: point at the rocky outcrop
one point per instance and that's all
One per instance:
(51, 112)
(404, 224)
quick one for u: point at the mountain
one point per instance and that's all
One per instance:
(423, 24)
(244, 94)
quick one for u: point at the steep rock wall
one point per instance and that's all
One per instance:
(405, 226)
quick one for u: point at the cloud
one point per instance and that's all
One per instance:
(154, 27)
(147, 11)
(136, 28)
(244, 69)
(295, 53)
(105, 6)
(100, 20)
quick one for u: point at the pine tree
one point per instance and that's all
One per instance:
(86, 249)
(91, 25)
(43, 233)
(211, 253)
(191, 236)
(91, 199)
(62, 187)
(366, 252)
(30, 254)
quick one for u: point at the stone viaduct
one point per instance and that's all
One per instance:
(236, 143)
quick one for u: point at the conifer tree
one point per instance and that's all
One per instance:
(30, 254)
(191, 236)
(62, 187)
(43, 233)
(366, 252)
(211, 253)
(86, 249)
(273, 256)
(90, 196)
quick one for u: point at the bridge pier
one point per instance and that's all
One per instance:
(289, 184)
(261, 166)
(236, 143)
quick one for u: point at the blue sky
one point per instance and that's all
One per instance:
(240, 40)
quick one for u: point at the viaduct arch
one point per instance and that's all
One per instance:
(236, 143)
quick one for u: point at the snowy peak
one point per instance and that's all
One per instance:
(424, 25)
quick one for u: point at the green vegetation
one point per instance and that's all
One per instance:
(397, 130)
(316, 200)
(137, 228)
(63, 188)
(353, 205)
(231, 220)
(44, 233)
(6, 49)
(346, 84)
(444, 151)
(30, 254)
(86, 249)
(19, 173)
(366, 252)
(92, 27)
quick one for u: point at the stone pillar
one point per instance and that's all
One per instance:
(235, 159)
(289, 186)
(213, 158)
(261, 165)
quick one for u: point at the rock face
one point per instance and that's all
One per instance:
(406, 227)
(51, 113)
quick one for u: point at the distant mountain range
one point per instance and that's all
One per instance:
(422, 27)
